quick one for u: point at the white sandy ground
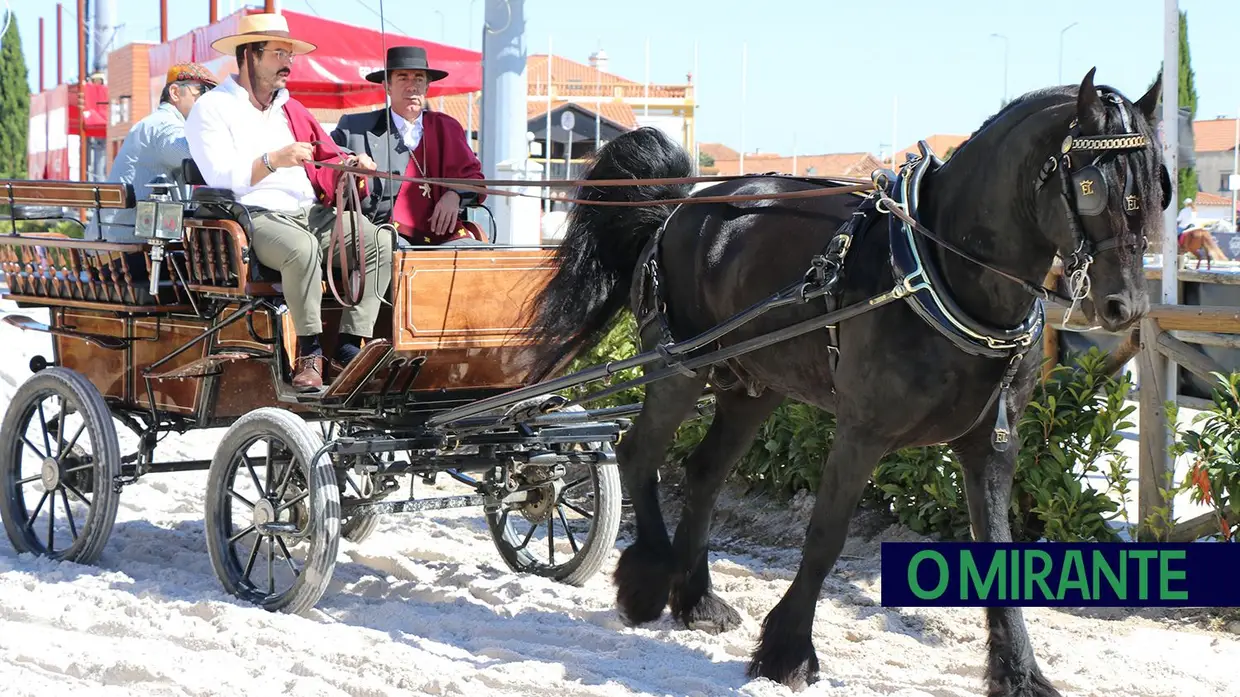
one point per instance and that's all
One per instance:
(426, 607)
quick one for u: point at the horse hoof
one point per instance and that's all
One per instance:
(796, 669)
(1031, 684)
(711, 614)
(643, 585)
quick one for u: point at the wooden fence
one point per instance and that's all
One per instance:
(1167, 332)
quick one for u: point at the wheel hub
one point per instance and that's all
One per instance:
(264, 514)
(50, 474)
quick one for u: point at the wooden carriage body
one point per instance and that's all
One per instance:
(214, 343)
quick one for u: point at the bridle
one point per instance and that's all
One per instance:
(1086, 191)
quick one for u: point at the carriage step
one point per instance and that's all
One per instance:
(204, 367)
(25, 323)
(359, 371)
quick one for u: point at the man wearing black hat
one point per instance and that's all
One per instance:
(412, 141)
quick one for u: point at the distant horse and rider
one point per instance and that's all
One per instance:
(1069, 171)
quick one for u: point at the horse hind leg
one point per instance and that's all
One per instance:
(643, 575)
(737, 419)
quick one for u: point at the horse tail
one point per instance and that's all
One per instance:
(601, 246)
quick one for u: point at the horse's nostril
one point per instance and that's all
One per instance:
(1118, 309)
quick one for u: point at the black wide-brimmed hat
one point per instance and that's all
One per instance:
(407, 58)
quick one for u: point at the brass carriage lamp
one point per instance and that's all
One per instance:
(158, 219)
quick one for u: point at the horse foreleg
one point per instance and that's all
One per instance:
(733, 429)
(1011, 668)
(643, 575)
(786, 651)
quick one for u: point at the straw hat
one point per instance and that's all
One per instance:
(260, 27)
(190, 72)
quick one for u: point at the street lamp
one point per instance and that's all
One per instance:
(1005, 65)
(442, 36)
(1061, 33)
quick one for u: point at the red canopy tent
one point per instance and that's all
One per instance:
(333, 76)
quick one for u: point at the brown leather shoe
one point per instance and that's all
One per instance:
(308, 372)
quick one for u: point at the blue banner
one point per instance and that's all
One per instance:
(1056, 574)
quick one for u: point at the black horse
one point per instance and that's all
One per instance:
(1068, 170)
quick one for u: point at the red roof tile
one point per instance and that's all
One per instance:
(852, 164)
(1215, 135)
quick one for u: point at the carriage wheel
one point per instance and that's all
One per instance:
(568, 526)
(354, 528)
(59, 459)
(273, 516)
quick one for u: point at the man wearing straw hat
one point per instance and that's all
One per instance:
(410, 140)
(249, 136)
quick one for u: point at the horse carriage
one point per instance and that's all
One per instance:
(186, 330)
(912, 310)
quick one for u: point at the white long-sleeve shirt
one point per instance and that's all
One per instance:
(226, 133)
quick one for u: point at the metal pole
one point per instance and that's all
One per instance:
(213, 11)
(697, 80)
(744, 89)
(269, 6)
(1005, 66)
(81, 8)
(547, 154)
(1235, 171)
(1171, 155)
(647, 97)
(503, 118)
(163, 21)
(60, 50)
(1061, 33)
(40, 54)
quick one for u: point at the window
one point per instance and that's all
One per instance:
(1224, 183)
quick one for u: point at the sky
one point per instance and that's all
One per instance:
(822, 76)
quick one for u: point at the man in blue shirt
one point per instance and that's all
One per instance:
(155, 145)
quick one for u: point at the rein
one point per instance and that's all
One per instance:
(483, 186)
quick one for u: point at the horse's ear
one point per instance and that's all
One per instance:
(1149, 101)
(1089, 110)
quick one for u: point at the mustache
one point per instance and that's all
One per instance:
(283, 72)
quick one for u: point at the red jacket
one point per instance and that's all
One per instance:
(306, 129)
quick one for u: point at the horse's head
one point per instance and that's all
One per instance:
(1112, 187)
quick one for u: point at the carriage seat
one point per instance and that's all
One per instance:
(210, 203)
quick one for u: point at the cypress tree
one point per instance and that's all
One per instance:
(14, 103)
(1188, 100)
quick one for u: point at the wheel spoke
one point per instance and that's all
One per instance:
(69, 512)
(60, 432)
(241, 498)
(575, 484)
(73, 490)
(73, 441)
(291, 502)
(27, 480)
(551, 540)
(528, 537)
(267, 467)
(572, 539)
(47, 442)
(32, 446)
(249, 564)
(578, 510)
(288, 557)
(254, 475)
(51, 525)
(79, 468)
(243, 533)
(30, 522)
(271, 562)
(287, 478)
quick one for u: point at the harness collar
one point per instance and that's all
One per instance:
(912, 261)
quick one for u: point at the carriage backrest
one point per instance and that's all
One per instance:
(68, 194)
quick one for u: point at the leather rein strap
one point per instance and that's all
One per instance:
(354, 277)
(483, 186)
